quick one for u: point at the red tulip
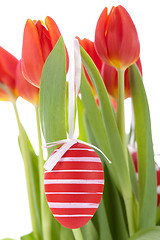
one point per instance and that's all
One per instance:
(90, 49)
(8, 64)
(116, 38)
(24, 88)
(110, 78)
(38, 41)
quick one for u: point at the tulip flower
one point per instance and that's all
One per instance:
(8, 64)
(38, 41)
(116, 38)
(24, 88)
(90, 49)
(110, 78)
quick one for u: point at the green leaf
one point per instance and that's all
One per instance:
(7, 239)
(89, 231)
(32, 179)
(53, 109)
(112, 202)
(133, 176)
(146, 165)
(100, 219)
(82, 130)
(114, 206)
(113, 146)
(94, 116)
(147, 234)
(66, 234)
(53, 95)
(28, 237)
(158, 216)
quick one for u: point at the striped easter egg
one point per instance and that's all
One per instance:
(74, 187)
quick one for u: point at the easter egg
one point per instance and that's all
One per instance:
(74, 187)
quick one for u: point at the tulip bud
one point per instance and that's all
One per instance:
(116, 38)
(38, 42)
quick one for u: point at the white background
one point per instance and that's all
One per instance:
(73, 18)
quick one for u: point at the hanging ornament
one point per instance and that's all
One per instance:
(74, 176)
(74, 187)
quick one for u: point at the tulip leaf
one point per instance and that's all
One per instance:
(7, 239)
(29, 236)
(158, 216)
(147, 234)
(82, 130)
(118, 168)
(32, 172)
(66, 234)
(89, 231)
(96, 133)
(53, 95)
(112, 203)
(53, 108)
(146, 164)
(114, 207)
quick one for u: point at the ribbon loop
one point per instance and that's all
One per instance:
(53, 159)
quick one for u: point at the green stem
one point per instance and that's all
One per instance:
(26, 158)
(120, 113)
(77, 234)
(121, 127)
(41, 160)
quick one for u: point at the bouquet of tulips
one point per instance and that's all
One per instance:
(110, 71)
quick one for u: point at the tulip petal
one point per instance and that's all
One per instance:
(24, 88)
(90, 49)
(100, 43)
(44, 38)
(32, 66)
(8, 64)
(55, 34)
(122, 39)
(53, 30)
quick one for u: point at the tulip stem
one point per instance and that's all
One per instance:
(41, 173)
(121, 127)
(121, 114)
(41, 160)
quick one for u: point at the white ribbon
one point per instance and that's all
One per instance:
(74, 76)
(53, 159)
(67, 144)
(74, 80)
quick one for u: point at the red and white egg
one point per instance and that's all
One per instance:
(75, 185)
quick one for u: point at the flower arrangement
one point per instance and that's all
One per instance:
(101, 74)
